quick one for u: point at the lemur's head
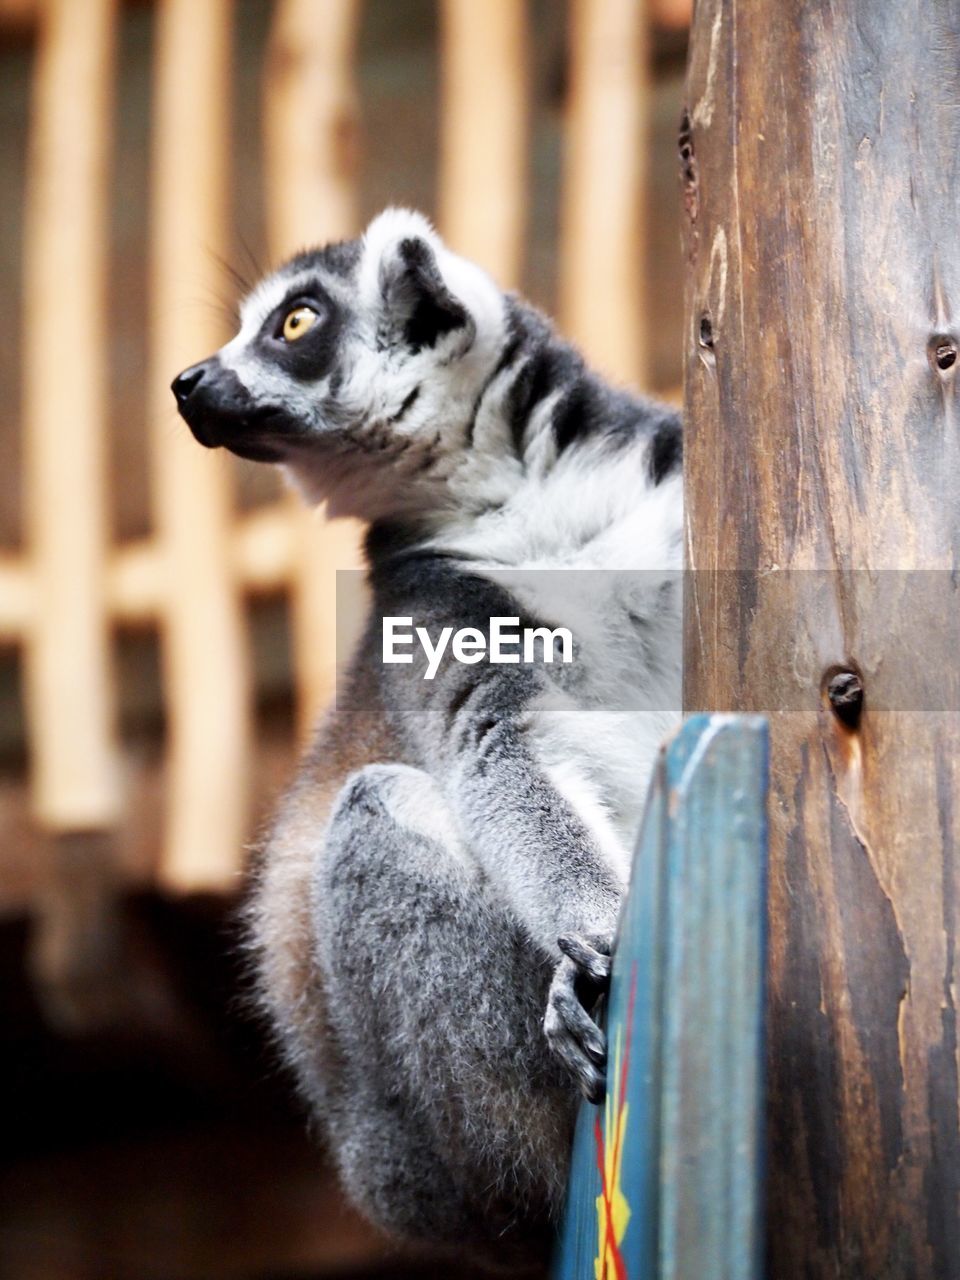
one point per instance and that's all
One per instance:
(356, 366)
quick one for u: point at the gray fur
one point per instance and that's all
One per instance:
(439, 895)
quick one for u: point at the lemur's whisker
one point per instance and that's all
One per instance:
(239, 279)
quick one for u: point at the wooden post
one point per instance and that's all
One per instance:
(205, 656)
(310, 122)
(604, 187)
(820, 169)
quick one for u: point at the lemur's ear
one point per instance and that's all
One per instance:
(419, 299)
(415, 304)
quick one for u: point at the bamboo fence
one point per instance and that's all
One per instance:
(72, 585)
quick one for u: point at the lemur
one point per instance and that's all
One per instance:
(433, 914)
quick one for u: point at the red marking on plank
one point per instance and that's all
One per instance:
(610, 1246)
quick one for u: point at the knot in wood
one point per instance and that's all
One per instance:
(845, 693)
(705, 341)
(942, 349)
(688, 167)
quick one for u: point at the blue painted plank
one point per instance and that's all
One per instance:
(666, 1176)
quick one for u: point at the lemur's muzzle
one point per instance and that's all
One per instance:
(219, 410)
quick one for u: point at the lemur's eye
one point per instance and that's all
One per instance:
(298, 322)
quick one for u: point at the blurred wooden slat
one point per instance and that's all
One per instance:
(17, 597)
(70, 703)
(483, 133)
(29, 852)
(266, 548)
(602, 305)
(310, 112)
(138, 583)
(18, 15)
(672, 14)
(74, 771)
(310, 120)
(205, 652)
(265, 551)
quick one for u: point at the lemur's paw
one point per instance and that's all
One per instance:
(590, 955)
(573, 1036)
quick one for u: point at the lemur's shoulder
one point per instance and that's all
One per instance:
(587, 407)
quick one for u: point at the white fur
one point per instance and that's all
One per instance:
(596, 508)
(600, 539)
(416, 803)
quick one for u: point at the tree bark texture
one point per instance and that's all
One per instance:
(820, 151)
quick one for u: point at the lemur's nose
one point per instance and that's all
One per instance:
(184, 385)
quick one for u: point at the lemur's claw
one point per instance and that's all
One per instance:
(594, 963)
(572, 1034)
